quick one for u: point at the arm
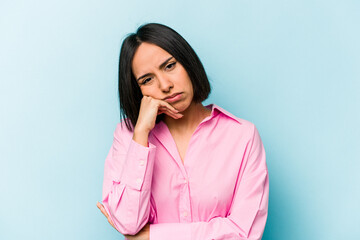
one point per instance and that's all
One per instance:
(127, 183)
(248, 213)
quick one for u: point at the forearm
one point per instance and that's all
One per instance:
(141, 136)
(127, 188)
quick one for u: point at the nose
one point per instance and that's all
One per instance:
(165, 84)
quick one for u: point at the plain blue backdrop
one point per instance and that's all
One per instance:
(291, 67)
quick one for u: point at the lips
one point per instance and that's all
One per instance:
(171, 96)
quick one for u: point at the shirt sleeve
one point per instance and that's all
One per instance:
(247, 216)
(127, 183)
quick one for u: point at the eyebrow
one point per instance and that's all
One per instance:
(160, 67)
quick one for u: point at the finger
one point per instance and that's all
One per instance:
(111, 223)
(169, 112)
(102, 209)
(160, 111)
(168, 105)
(173, 115)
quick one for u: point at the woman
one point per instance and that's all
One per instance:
(178, 169)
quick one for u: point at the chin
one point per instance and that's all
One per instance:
(181, 106)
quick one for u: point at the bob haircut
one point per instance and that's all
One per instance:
(168, 39)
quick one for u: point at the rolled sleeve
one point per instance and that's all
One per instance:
(127, 182)
(137, 171)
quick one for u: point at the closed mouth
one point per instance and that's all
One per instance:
(171, 96)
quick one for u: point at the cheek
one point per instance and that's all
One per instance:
(144, 90)
(187, 83)
(190, 86)
(149, 91)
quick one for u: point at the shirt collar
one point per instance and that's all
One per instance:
(215, 110)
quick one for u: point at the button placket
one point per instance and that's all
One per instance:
(184, 205)
(141, 164)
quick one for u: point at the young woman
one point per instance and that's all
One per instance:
(178, 169)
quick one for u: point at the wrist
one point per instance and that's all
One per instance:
(141, 136)
(141, 131)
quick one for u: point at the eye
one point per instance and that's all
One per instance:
(145, 80)
(171, 66)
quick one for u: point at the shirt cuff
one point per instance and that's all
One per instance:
(139, 163)
(174, 231)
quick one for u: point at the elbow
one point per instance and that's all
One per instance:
(129, 212)
(129, 221)
(128, 227)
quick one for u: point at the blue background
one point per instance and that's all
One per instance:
(290, 67)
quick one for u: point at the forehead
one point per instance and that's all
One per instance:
(148, 56)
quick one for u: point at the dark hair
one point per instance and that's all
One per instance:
(168, 39)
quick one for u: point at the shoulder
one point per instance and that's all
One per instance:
(234, 122)
(122, 133)
(241, 130)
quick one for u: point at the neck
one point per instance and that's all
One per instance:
(193, 115)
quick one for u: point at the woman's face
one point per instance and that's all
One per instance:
(160, 75)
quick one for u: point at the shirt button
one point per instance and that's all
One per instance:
(185, 181)
(138, 180)
(185, 214)
(142, 162)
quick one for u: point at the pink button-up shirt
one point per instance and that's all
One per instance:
(221, 190)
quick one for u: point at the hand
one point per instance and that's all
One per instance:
(144, 233)
(150, 108)
(102, 209)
